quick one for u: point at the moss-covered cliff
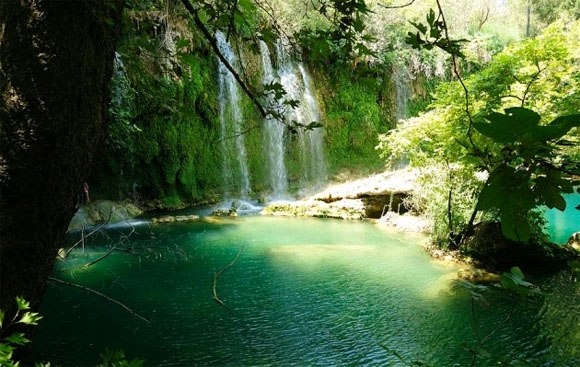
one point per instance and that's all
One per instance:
(164, 142)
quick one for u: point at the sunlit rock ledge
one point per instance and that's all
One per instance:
(379, 197)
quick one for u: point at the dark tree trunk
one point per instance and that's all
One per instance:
(56, 62)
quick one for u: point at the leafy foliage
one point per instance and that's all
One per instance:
(433, 35)
(118, 359)
(14, 340)
(514, 282)
(24, 316)
(526, 176)
(525, 156)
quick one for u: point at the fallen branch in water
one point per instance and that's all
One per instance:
(111, 251)
(220, 272)
(83, 237)
(90, 290)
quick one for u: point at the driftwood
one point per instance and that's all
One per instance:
(111, 250)
(220, 272)
(90, 290)
(83, 237)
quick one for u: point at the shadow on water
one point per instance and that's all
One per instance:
(303, 292)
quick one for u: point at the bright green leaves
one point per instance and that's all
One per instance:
(525, 176)
(17, 339)
(433, 34)
(340, 33)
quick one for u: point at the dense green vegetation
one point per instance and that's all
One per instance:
(519, 68)
(164, 140)
(163, 143)
(524, 158)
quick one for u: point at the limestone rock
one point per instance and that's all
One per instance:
(175, 218)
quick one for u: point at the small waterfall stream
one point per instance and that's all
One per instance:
(312, 141)
(296, 81)
(274, 137)
(235, 172)
(401, 77)
(121, 95)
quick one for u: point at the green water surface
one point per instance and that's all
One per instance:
(301, 292)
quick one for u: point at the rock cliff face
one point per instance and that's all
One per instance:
(370, 197)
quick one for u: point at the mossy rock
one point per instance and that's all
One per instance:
(103, 212)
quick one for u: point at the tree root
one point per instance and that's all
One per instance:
(90, 290)
(220, 272)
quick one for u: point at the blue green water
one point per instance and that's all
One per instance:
(303, 292)
(561, 225)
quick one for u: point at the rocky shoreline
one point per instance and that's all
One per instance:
(379, 197)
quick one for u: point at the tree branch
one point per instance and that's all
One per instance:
(397, 6)
(220, 272)
(90, 290)
(213, 43)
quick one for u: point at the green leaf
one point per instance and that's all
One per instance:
(30, 318)
(420, 27)
(514, 281)
(22, 304)
(559, 127)
(17, 339)
(549, 194)
(509, 127)
(514, 225)
(431, 17)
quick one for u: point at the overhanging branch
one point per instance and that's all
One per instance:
(213, 43)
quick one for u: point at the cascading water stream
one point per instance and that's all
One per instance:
(235, 171)
(401, 77)
(120, 96)
(308, 145)
(312, 159)
(298, 86)
(274, 137)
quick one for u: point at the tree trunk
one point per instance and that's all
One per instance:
(56, 62)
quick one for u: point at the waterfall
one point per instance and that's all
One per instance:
(401, 80)
(274, 137)
(235, 172)
(312, 141)
(306, 147)
(401, 77)
(121, 95)
(298, 86)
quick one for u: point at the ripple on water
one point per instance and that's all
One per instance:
(302, 293)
